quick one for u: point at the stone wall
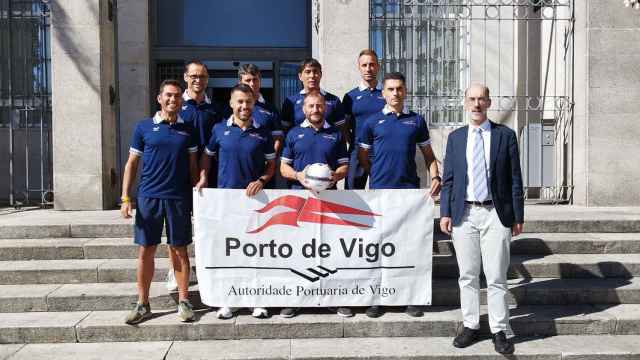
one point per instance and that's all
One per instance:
(607, 89)
(83, 115)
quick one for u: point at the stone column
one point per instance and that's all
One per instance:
(134, 70)
(607, 89)
(340, 31)
(83, 96)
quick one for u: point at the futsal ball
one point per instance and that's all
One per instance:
(318, 176)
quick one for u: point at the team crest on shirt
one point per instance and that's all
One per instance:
(183, 133)
(381, 121)
(358, 97)
(265, 112)
(409, 122)
(227, 132)
(298, 102)
(184, 107)
(157, 128)
(380, 97)
(330, 137)
(300, 136)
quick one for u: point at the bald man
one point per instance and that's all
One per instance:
(482, 206)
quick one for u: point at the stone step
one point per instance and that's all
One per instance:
(571, 347)
(444, 266)
(22, 228)
(120, 296)
(78, 271)
(124, 248)
(108, 326)
(555, 266)
(73, 248)
(560, 243)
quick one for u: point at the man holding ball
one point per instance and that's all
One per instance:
(313, 141)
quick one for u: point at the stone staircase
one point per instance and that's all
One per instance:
(68, 281)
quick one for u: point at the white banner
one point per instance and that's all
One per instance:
(300, 249)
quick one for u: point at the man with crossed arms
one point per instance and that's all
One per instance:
(310, 74)
(265, 114)
(359, 104)
(482, 206)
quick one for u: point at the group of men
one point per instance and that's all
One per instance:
(368, 136)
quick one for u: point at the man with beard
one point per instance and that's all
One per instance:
(246, 157)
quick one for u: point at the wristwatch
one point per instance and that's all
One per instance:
(436, 178)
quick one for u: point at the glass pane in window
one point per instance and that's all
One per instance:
(239, 23)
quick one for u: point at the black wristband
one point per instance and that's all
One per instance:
(436, 178)
(263, 181)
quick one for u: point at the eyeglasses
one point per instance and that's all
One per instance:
(197, 77)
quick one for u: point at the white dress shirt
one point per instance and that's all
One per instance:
(471, 140)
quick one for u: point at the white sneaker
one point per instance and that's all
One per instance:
(224, 313)
(172, 284)
(260, 313)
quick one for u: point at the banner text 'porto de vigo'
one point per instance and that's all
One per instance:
(296, 248)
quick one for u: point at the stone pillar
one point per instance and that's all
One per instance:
(133, 67)
(83, 96)
(607, 89)
(340, 31)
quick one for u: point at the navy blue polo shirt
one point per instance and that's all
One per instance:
(267, 116)
(359, 104)
(394, 139)
(304, 146)
(292, 114)
(201, 117)
(164, 149)
(241, 153)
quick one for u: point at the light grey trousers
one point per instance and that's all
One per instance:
(482, 241)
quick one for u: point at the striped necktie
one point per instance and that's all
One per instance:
(479, 172)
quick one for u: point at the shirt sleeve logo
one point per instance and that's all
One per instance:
(257, 136)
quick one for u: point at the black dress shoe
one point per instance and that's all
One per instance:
(465, 338)
(502, 344)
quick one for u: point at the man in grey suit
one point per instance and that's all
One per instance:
(482, 206)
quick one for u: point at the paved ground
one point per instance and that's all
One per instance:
(553, 348)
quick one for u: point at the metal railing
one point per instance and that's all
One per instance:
(25, 103)
(521, 49)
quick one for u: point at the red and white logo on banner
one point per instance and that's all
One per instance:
(291, 210)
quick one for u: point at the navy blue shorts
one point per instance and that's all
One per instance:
(151, 216)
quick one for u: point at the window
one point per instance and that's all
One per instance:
(239, 23)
